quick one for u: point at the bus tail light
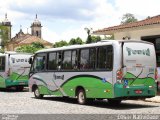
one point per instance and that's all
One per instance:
(156, 74)
(119, 74)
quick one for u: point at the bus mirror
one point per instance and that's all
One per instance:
(30, 60)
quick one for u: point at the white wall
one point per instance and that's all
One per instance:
(137, 33)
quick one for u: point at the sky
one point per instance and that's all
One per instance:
(66, 19)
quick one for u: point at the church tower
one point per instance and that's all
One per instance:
(7, 23)
(36, 28)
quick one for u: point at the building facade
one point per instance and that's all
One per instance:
(147, 30)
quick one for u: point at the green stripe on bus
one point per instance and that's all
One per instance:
(94, 88)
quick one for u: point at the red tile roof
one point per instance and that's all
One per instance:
(27, 39)
(145, 22)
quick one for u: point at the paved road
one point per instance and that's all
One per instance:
(25, 103)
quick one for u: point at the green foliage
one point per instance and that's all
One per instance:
(3, 35)
(76, 41)
(1, 50)
(35, 46)
(89, 39)
(128, 18)
(93, 39)
(60, 44)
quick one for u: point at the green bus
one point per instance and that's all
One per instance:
(14, 69)
(112, 70)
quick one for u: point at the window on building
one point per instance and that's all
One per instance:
(37, 33)
(157, 46)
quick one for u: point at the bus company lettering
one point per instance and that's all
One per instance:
(14, 60)
(58, 77)
(139, 52)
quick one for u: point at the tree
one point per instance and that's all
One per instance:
(89, 39)
(95, 39)
(3, 37)
(35, 46)
(76, 41)
(128, 18)
(60, 44)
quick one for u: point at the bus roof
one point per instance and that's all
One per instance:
(16, 53)
(100, 43)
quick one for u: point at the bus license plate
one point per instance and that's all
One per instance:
(138, 91)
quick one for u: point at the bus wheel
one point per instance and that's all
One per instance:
(19, 88)
(37, 93)
(81, 97)
(114, 102)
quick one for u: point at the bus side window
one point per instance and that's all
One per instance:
(105, 58)
(67, 60)
(84, 59)
(52, 64)
(74, 60)
(109, 58)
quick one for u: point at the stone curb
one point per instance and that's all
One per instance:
(155, 99)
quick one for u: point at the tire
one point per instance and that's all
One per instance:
(37, 93)
(19, 88)
(114, 102)
(81, 97)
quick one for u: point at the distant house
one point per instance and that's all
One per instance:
(21, 39)
(147, 30)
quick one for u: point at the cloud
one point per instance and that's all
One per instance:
(140, 8)
(65, 35)
(61, 9)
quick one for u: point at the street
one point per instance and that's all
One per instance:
(12, 102)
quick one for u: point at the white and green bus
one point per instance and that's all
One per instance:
(113, 70)
(14, 70)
